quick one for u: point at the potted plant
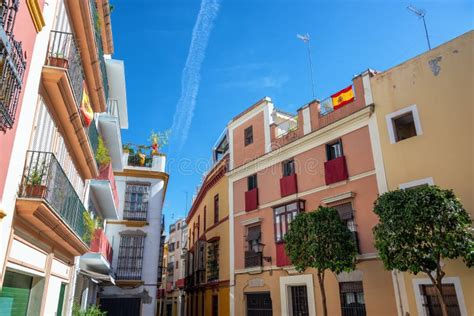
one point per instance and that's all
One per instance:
(91, 224)
(158, 140)
(34, 182)
(102, 155)
(58, 60)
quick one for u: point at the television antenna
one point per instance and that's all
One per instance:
(421, 14)
(305, 38)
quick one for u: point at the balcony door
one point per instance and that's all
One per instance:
(259, 304)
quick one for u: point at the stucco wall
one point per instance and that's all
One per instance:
(442, 93)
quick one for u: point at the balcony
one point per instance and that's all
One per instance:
(48, 202)
(335, 170)
(251, 200)
(288, 185)
(62, 81)
(97, 23)
(83, 19)
(12, 68)
(141, 157)
(253, 259)
(110, 129)
(100, 256)
(170, 268)
(105, 193)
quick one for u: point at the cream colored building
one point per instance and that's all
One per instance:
(425, 114)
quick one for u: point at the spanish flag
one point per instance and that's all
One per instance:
(86, 109)
(342, 97)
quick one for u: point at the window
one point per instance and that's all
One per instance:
(253, 256)
(403, 124)
(283, 216)
(199, 226)
(215, 305)
(136, 201)
(177, 265)
(178, 226)
(205, 219)
(248, 135)
(299, 300)
(130, 258)
(334, 150)
(346, 213)
(201, 260)
(431, 304)
(417, 183)
(216, 208)
(177, 245)
(352, 298)
(12, 67)
(213, 261)
(252, 182)
(288, 167)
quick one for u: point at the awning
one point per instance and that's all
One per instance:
(98, 277)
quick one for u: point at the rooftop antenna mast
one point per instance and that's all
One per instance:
(305, 39)
(421, 14)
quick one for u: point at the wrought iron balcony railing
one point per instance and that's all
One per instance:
(63, 53)
(44, 178)
(12, 65)
(93, 136)
(100, 50)
(253, 259)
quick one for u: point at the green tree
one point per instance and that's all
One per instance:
(418, 228)
(322, 241)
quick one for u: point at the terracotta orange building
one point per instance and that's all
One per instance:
(281, 165)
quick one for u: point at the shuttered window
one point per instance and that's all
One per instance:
(136, 201)
(130, 258)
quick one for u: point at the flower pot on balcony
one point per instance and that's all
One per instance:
(58, 62)
(35, 190)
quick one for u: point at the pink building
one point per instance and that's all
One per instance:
(20, 22)
(282, 165)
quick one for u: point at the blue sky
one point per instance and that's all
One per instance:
(253, 52)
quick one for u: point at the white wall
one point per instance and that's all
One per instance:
(152, 240)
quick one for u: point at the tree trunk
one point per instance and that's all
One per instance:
(323, 292)
(439, 290)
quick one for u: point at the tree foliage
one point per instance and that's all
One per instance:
(419, 226)
(320, 240)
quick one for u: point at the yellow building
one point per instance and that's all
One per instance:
(207, 259)
(424, 109)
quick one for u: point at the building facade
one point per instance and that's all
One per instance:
(58, 193)
(175, 269)
(281, 165)
(425, 120)
(208, 254)
(135, 236)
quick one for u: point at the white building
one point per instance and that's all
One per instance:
(136, 235)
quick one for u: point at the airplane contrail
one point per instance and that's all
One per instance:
(191, 75)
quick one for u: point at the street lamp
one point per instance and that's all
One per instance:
(260, 247)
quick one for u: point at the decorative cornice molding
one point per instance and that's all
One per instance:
(36, 14)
